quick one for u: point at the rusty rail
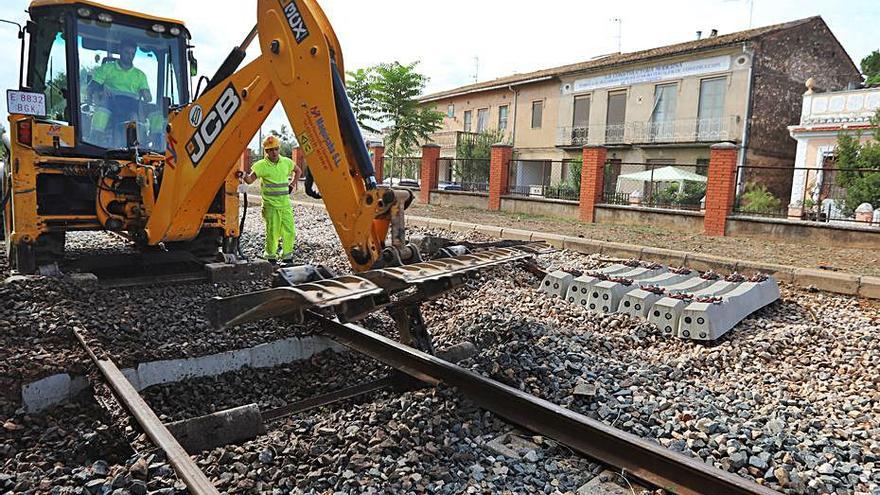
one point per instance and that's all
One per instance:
(193, 477)
(645, 460)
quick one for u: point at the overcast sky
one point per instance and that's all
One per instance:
(448, 36)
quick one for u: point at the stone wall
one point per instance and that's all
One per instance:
(821, 234)
(782, 62)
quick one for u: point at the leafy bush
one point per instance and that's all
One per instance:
(564, 190)
(757, 199)
(666, 196)
(690, 195)
(574, 173)
(478, 149)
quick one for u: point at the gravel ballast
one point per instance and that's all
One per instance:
(789, 398)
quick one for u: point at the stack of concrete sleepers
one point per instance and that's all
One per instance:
(605, 296)
(680, 302)
(558, 282)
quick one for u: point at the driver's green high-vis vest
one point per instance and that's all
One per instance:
(118, 82)
(124, 82)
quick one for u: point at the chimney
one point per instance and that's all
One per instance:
(699, 34)
(713, 33)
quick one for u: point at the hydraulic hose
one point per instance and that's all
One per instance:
(244, 199)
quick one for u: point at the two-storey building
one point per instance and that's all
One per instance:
(665, 105)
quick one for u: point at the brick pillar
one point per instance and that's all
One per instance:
(499, 173)
(378, 153)
(720, 188)
(428, 172)
(299, 157)
(244, 162)
(592, 181)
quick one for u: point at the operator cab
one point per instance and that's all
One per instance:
(130, 69)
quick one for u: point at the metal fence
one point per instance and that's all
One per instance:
(536, 178)
(402, 171)
(658, 185)
(463, 174)
(826, 194)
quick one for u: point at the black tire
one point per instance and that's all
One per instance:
(5, 197)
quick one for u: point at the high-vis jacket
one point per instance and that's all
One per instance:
(275, 178)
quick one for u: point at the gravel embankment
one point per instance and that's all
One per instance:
(790, 398)
(803, 253)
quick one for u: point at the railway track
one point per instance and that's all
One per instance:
(349, 298)
(195, 480)
(649, 462)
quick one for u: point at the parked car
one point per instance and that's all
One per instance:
(393, 181)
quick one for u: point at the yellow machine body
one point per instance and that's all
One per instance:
(187, 193)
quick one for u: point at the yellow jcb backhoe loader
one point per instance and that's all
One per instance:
(156, 161)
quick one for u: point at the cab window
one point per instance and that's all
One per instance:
(48, 66)
(127, 75)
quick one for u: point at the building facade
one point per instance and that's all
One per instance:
(824, 116)
(665, 105)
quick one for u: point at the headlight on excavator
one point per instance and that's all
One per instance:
(158, 28)
(105, 17)
(174, 31)
(84, 12)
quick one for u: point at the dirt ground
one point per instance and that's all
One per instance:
(855, 260)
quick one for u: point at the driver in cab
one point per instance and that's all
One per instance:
(118, 87)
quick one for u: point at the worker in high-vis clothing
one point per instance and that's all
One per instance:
(274, 172)
(117, 88)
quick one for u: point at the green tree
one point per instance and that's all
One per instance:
(853, 158)
(478, 145)
(361, 89)
(871, 68)
(396, 90)
(475, 152)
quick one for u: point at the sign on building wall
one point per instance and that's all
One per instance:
(652, 74)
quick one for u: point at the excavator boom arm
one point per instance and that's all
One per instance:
(301, 66)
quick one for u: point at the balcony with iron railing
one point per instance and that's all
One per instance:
(450, 140)
(708, 130)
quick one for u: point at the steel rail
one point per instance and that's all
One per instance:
(193, 477)
(650, 462)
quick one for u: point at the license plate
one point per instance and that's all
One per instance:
(26, 102)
